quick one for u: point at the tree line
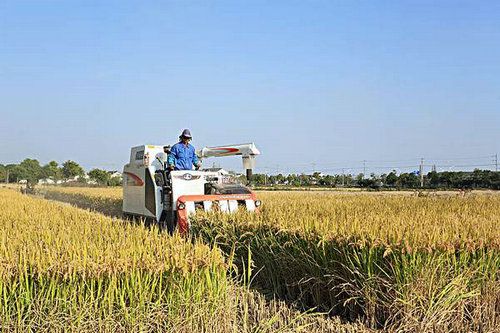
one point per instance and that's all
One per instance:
(477, 179)
(31, 171)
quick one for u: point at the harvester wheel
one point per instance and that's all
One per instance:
(169, 221)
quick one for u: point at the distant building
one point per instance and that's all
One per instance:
(46, 181)
(74, 179)
(115, 174)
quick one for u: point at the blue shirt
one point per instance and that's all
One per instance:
(182, 157)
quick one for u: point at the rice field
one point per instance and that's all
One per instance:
(64, 269)
(397, 262)
(394, 262)
(81, 270)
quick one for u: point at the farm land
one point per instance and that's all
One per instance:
(309, 261)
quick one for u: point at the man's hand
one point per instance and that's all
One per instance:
(171, 167)
(198, 166)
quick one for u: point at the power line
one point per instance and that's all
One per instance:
(419, 167)
(459, 158)
(464, 165)
(368, 161)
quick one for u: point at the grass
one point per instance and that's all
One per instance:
(402, 263)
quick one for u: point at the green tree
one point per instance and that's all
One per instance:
(391, 179)
(327, 180)
(30, 170)
(433, 179)
(115, 181)
(359, 179)
(8, 171)
(3, 173)
(71, 169)
(102, 177)
(51, 170)
(409, 180)
(280, 179)
(17, 173)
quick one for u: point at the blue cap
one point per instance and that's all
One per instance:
(186, 134)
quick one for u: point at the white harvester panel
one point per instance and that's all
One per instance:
(139, 172)
(189, 182)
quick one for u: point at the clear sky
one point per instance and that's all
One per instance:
(315, 84)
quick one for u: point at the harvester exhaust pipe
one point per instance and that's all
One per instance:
(249, 175)
(248, 165)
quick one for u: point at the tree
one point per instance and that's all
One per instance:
(327, 180)
(280, 179)
(3, 173)
(102, 177)
(8, 171)
(359, 179)
(115, 181)
(30, 170)
(17, 173)
(433, 179)
(71, 169)
(51, 170)
(391, 179)
(258, 179)
(409, 180)
(304, 180)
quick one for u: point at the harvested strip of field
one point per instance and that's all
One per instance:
(64, 269)
(105, 200)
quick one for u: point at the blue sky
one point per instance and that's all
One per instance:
(315, 84)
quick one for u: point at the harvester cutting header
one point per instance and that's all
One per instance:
(160, 191)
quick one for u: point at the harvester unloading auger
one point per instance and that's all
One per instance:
(152, 192)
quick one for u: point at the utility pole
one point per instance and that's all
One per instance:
(421, 171)
(496, 162)
(343, 178)
(364, 168)
(7, 176)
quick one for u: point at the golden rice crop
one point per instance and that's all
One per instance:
(426, 264)
(73, 264)
(51, 238)
(63, 269)
(408, 263)
(444, 222)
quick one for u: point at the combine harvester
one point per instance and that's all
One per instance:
(168, 198)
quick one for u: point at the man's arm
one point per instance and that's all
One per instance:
(196, 161)
(171, 158)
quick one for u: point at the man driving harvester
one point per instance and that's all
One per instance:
(182, 155)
